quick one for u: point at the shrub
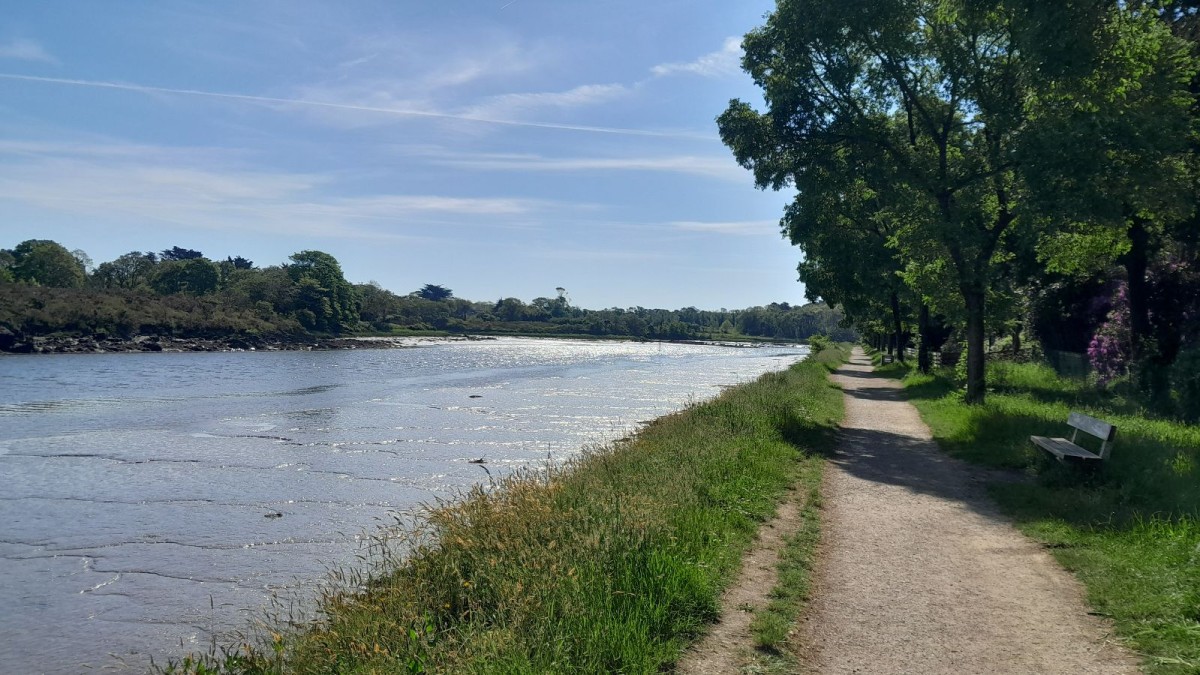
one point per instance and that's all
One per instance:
(1185, 379)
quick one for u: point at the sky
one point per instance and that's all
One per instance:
(496, 147)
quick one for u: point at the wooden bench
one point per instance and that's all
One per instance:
(1062, 448)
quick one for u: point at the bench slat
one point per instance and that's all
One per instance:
(1061, 447)
(1098, 428)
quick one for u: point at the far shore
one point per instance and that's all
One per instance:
(104, 344)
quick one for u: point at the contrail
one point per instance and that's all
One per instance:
(146, 89)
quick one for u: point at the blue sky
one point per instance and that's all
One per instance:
(501, 148)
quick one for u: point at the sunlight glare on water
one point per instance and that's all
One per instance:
(153, 500)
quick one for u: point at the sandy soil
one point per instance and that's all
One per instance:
(919, 573)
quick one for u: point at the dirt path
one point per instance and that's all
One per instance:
(727, 647)
(918, 572)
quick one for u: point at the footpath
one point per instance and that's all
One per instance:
(919, 573)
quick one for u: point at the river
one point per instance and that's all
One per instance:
(150, 502)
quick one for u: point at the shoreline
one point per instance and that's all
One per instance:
(100, 344)
(11, 344)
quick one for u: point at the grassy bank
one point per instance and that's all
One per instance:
(1130, 529)
(609, 564)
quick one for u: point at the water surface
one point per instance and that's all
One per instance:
(151, 501)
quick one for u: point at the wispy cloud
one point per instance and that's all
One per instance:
(741, 227)
(508, 105)
(724, 61)
(24, 49)
(383, 109)
(712, 167)
(141, 185)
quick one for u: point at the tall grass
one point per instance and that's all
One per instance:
(1130, 528)
(611, 563)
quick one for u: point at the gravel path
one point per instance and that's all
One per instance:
(919, 573)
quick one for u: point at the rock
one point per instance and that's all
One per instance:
(7, 339)
(273, 516)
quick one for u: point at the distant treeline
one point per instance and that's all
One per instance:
(46, 289)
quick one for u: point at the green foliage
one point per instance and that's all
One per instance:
(46, 263)
(131, 270)
(597, 566)
(939, 139)
(325, 300)
(180, 253)
(1130, 529)
(434, 292)
(311, 294)
(193, 276)
(1185, 378)
(34, 310)
(819, 343)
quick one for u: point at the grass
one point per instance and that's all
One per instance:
(611, 563)
(1129, 529)
(773, 626)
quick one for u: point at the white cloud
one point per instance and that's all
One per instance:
(24, 49)
(712, 167)
(724, 61)
(742, 228)
(510, 105)
(382, 111)
(411, 72)
(139, 185)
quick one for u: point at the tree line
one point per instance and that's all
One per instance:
(976, 170)
(46, 289)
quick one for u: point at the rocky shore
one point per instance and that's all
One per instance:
(14, 343)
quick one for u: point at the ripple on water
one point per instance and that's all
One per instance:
(134, 524)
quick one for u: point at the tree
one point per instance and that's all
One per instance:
(434, 292)
(944, 95)
(6, 262)
(1118, 121)
(192, 276)
(177, 253)
(47, 263)
(509, 309)
(130, 270)
(323, 291)
(843, 217)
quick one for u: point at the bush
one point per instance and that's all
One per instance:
(1185, 379)
(819, 343)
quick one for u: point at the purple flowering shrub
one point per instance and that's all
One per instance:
(1111, 347)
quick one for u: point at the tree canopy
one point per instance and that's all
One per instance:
(928, 121)
(139, 292)
(46, 263)
(434, 292)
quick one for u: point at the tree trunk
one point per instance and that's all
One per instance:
(896, 328)
(1150, 372)
(924, 360)
(1136, 261)
(976, 377)
(1016, 340)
